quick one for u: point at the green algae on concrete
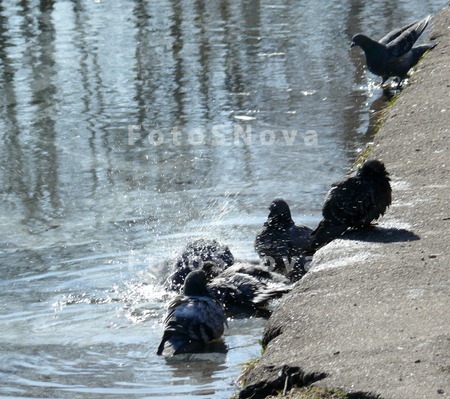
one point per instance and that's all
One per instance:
(312, 393)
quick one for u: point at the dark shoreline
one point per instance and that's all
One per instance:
(371, 317)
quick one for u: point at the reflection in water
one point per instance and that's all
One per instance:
(130, 128)
(198, 368)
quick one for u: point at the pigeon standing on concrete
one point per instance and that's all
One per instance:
(280, 242)
(394, 55)
(193, 319)
(354, 202)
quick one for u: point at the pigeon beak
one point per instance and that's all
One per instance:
(352, 45)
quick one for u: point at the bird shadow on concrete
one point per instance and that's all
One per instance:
(381, 235)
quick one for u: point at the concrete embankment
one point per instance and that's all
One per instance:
(372, 317)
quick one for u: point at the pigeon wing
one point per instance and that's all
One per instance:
(173, 327)
(174, 304)
(392, 35)
(209, 321)
(193, 318)
(405, 41)
(300, 239)
(347, 202)
(380, 199)
(272, 241)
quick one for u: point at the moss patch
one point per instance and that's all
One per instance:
(313, 393)
(248, 367)
(376, 123)
(364, 155)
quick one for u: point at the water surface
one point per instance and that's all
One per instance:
(130, 128)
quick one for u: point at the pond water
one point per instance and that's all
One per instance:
(130, 128)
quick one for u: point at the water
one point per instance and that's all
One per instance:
(130, 128)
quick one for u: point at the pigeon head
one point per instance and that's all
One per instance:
(360, 40)
(371, 47)
(279, 209)
(373, 168)
(195, 283)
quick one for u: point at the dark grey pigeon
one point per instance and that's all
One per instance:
(193, 319)
(215, 255)
(394, 54)
(280, 242)
(354, 202)
(246, 289)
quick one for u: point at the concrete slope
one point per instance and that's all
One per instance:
(373, 314)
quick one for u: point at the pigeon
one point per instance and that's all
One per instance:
(246, 289)
(281, 243)
(354, 202)
(394, 54)
(260, 272)
(193, 319)
(216, 256)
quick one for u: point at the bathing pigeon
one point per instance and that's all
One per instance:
(216, 256)
(280, 243)
(246, 289)
(354, 202)
(394, 54)
(193, 319)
